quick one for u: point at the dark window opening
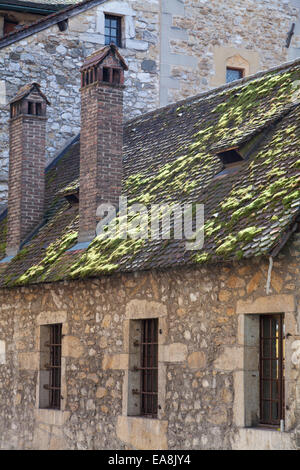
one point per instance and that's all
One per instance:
(113, 30)
(63, 25)
(35, 109)
(233, 74)
(149, 368)
(31, 108)
(9, 26)
(50, 370)
(38, 109)
(231, 160)
(116, 76)
(272, 369)
(106, 74)
(72, 198)
(230, 156)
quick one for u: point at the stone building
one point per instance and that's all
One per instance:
(15, 14)
(174, 48)
(110, 342)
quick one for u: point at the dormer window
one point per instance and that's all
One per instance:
(230, 156)
(231, 160)
(113, 30)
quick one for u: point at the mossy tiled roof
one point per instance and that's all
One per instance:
(170, 156)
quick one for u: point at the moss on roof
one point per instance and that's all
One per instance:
(170, 157)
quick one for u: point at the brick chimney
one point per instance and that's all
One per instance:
(101, 139)
(27, 137)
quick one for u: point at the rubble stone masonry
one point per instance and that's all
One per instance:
(204, 358)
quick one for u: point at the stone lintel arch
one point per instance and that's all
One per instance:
(235, 57)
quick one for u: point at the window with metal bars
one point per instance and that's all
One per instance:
(50, 370)
(272, 369)
(113, 30)
(149, 368)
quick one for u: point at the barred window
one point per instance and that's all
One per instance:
(143, 368)
(272, 369)
(50, 366)
(149, 368)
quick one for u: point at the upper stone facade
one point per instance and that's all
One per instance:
(174, 49)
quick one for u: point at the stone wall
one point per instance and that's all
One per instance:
(53, 59)
(20, 18)
(194, 32)
(174, 49)
(203, 345)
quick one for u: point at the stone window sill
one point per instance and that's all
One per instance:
(264, 428)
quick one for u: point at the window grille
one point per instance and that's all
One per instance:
(272, 369)
(54, 366)
(149, 368)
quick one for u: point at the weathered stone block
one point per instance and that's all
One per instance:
(143, 434)
(176, 352)
(139, 309)
(197, 360)
(116, 361)
(101, 392)
(28, 361)
(72, 347)
(254, 283)
(231, 359)
(269, 304)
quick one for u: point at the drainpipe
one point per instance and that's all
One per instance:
(268, 286)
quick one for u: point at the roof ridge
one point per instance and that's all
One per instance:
(205, 94)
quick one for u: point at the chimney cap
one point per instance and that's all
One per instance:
(26, 90)
(98, 56)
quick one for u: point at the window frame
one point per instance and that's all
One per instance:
(108, 38)
(149, 368)
(51, 366)
(235, 69)
(278, 357)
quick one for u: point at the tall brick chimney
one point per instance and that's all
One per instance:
(101, 139)
(27, 134)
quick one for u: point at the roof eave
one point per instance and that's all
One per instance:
(48, 21)
(29, 7)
